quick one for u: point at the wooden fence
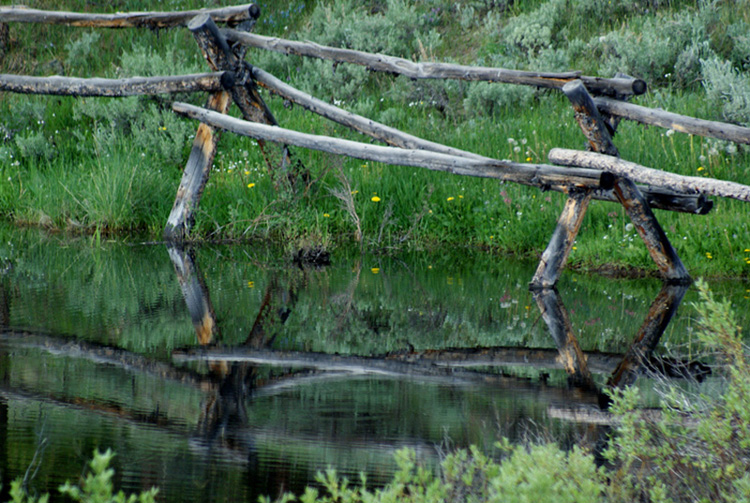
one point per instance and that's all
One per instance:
(599, 104)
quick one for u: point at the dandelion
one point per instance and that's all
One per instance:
(375, 199)
(451, 198)
(701, 168)
(326, 215)
(375, 270)
(460, 196)
(709, 256)
(250, 185)
(247, 172)
(251, 284)
(528, 159)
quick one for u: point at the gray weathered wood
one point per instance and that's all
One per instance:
(560, 245)
(529, 174)
(195, 174)
(244, 93)
(592, 124)
(658, 198)
(231, 15)
(71, 86)
(678, 183)
(391, 64)
(636, 206)
(669, 120)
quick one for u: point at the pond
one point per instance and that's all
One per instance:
(225, 372)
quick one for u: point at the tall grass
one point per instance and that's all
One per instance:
(114, 164)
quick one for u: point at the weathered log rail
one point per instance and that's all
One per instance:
(598, 103)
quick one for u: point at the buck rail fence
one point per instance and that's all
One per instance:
(599, 105)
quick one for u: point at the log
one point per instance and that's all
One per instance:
(71, 86)
(657, 198)
(587, 115)
(230, 15)
(195, 175)
(556, 254)
(539, 175)
(219, 55)
(669, 120)
(400, 66)
(595, 129)
(678, 183)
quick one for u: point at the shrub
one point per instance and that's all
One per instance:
(727, 89)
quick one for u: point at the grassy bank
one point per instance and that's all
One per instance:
(112, 166)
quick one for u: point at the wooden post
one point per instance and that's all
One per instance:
(571, 357)
(559, 247)
(594, 127)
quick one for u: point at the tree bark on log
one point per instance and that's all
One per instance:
(539, 175)
(669, 120)
(678, 183)
(595, 129)
(556, 254)
(71, 86)
(230, 15)
(195, 175)
(400, 66)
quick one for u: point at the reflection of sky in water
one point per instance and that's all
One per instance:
(89, 363)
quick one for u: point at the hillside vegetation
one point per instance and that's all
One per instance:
(112, 166)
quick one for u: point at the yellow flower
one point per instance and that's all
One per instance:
(375, 270)
(451, 198)
(528, 159)
(250, 284)
(460, 196)
(326, 215)
(250, 185)
(247, 172)
(708, 255)
(700, 168)
(375, 199)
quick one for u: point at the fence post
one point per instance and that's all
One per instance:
(559, 247)
(595, 129)
(198, 167)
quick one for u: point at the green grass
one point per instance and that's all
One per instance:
(114, 167)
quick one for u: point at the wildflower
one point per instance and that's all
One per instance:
(460, 196)
(701, 168)
(375, 270)
(247, 172)
(251, 284)
(451, 198)
(250, 185)
(528, 159)
(375, 199)
(326, 215)
(709, 256)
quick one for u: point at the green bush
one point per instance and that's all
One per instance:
(727, 90)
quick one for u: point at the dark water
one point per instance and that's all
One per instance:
(228, 372)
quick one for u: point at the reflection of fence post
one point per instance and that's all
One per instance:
(636, 206)
(195, 293)
(556, 317)
(659, 315)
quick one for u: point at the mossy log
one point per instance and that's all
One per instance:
(230, 15)
(539, 175)
(72, 86)
(400, 66)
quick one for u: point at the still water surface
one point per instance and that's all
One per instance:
(228, 372)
